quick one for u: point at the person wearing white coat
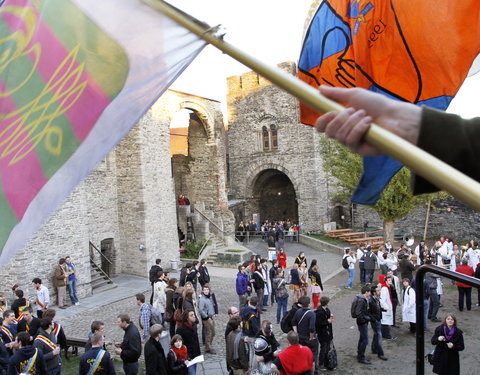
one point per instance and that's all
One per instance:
(387, 307)
(408, 307)
(159, 295)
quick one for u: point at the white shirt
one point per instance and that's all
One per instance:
(43, 296)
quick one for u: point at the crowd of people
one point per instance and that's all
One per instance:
(272, 232)
(186, 309)
(378, 301)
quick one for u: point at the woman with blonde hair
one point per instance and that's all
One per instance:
(295, 283)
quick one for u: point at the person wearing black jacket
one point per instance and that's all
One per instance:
(259, 285)
(272, 273)
(448, 341)
(376, 322)
(25, 351)
(203, 275)
(324, 329)
(19, 304)
(362, 313)
(47, 343)
(155, 361)
(189, 334)
(193, 275)
(29, 323)
(4, 358)
(130, 348)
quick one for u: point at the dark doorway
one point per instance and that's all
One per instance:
(275, 196)
(107, 249)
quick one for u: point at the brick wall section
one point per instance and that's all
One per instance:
(253, 102)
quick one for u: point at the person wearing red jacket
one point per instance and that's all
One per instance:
(464, 290)
(294, 360)
(282, 258)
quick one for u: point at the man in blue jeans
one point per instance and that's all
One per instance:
(350, 259)
(362, 313)
(72, 281)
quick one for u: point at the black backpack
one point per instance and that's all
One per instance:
(286, 322)
(345, 263)
(353, 308)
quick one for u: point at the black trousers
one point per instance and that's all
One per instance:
(462, 293)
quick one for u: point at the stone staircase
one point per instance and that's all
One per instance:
(99, 280)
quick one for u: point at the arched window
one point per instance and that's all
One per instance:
(265, 139)
(273, 137)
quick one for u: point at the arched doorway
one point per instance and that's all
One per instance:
(274, 196)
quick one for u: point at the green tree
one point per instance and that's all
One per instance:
(396, 200)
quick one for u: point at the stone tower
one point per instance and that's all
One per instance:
(275, 167)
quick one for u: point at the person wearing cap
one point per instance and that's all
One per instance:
(369, 263)
(351, 260)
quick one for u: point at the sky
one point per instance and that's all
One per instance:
(272, 32)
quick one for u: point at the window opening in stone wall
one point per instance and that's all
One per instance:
(265, 139)
(274, 138)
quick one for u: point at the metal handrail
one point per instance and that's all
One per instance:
(200, 253)
(103, 255)
(420, 335)
(102, 271)
(209, 220)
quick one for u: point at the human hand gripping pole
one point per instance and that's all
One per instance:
(442, 175)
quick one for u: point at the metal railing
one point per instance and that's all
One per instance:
(419, 290)
(202, 250)
(247, 235)
(92, 246)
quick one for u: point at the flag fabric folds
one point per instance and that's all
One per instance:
(414, 51)
(75, 76)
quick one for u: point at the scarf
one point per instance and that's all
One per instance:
(180, 353)
(236, 345)
(448, 332)
(381, 278)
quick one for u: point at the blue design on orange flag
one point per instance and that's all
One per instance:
(360, 16)
(332, 35)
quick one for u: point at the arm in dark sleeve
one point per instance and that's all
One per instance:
(458, 343)
(61, 340)
(451, 139)
(4, 356)
(173, 365)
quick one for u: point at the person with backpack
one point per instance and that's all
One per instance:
(360, 310)
(286, 322)
(206, 308)
(361, 262)
(303, 323)
(148, 315)
(348, 263)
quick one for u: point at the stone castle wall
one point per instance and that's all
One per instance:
(253, 102)
(450, 218)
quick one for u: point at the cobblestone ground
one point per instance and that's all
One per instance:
(401, 352)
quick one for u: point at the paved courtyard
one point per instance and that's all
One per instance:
(401, 352)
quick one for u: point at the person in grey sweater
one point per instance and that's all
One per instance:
(206, 308)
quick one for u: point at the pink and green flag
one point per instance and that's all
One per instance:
(75, 76)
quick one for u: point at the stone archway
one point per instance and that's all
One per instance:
(274, 196)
